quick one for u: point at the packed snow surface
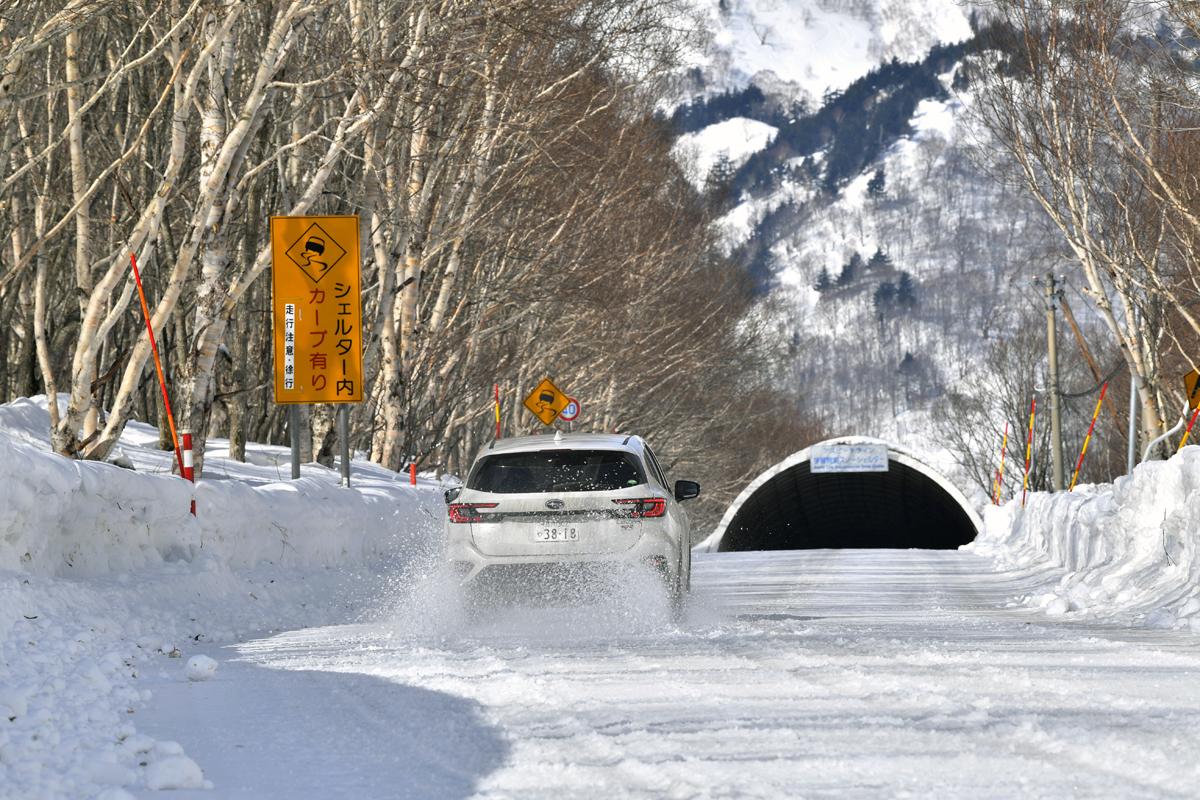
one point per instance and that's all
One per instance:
(805, 674)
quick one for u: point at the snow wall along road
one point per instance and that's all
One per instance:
(789, 507)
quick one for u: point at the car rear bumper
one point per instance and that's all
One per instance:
(471, 565)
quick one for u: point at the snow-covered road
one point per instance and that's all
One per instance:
(816, 674)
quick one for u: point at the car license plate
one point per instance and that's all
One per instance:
(556, 535)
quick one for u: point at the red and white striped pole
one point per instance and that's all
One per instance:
(1028, 450)
(1191, 425)
(1000, 472)
(1087, 439)
(496, 390)
(189, 471)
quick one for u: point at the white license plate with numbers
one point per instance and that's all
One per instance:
(565, 534)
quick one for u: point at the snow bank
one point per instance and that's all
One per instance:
(1131, 549)
(73, 518)
(105, 578)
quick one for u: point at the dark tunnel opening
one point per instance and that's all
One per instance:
(800, 510)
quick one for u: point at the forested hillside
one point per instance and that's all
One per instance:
(893, 226)
(521, 218)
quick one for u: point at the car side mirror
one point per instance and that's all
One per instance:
(450, 494)
(686, 490)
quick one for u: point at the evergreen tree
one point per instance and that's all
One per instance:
(880, 261)
(877, 185)
(906, 291)
(885, 297)
(719, 177)
(824, 281)
(850, 270)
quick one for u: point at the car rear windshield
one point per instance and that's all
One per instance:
(556, 471)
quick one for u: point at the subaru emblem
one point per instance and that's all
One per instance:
(554, 505)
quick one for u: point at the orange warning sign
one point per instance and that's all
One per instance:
(317, 306)
(546, 402)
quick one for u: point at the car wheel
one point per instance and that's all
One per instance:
(677, 594)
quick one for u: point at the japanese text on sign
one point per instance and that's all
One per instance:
(318, 312)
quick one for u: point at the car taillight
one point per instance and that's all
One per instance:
(644, 507)
(468, 512)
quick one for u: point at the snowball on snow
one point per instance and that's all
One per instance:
(1058, 606)
(200, 668)
(174, 772)
(115, 793)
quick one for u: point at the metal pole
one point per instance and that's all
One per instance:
(1055, 414)
(344, 441)
(1131, 456)
(294, 433)
(1150, 447)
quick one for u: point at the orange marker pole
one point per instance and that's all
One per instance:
(1188, 432)
(412, 473)
(1028, 450)
(137, 276)
(496, 389)
(1000, 474)
(1087, 439)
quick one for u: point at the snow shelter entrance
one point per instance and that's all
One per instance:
(790, 507)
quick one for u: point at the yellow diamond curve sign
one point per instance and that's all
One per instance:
(317, 307)
(1191, 383)
(546, 401)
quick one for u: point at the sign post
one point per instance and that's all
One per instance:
(1191, 383)
(317, 308)
(343, 415)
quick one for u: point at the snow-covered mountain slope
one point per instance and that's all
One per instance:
(871, 218)
(810, 47)
(729, 143)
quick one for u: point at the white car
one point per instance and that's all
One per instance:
(540, 508)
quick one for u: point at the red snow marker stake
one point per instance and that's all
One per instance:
(1028, 450)
(137, 276)
(412, 473)
(1000, 472)
(162, 382)
(1087, 438)
(189, 470)
(1188, 432)
(496, 389)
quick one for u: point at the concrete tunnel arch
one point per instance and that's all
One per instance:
(789, 507)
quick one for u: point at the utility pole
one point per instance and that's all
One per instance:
(1051, 289)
